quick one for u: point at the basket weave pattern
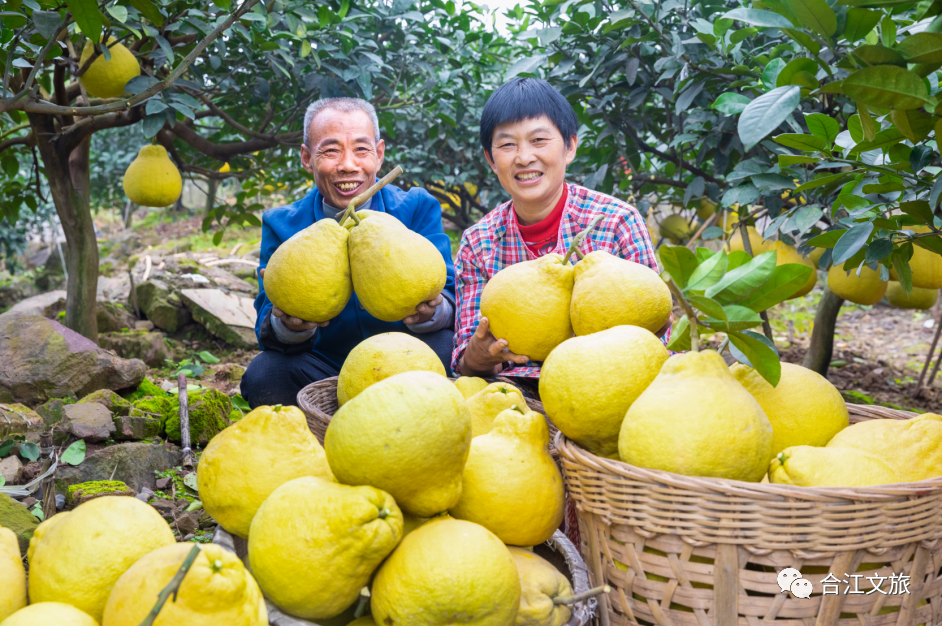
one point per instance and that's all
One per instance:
(681, 550)
(319, 403)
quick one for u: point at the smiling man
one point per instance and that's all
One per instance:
(529, 136)
(343, 151)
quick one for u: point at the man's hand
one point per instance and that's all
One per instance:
(425, 311)
(485, 354)
(292, 323)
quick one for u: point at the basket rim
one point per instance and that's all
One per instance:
(727, 487)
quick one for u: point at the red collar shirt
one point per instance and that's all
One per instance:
(496, 242)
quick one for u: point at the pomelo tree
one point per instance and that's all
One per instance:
(737, 103)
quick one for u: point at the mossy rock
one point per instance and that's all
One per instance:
(146, 388)
(83, 492)
(161, 407)
(110, 400)
(17, 518)
(209, 415)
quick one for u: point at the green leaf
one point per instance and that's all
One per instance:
(757, 17)
(782, 285)
(878, 55)
(240, 403)
(785, 160)
(921, 48)
(75, 453)
(859, 23)
(758, 352)
(29, 451)
(118, 12)
(800, 142)
(153, 123)
(680, 263)
(801, 64)
(904, 273)
(814, 14)
(884, 188)
(190, 481)
(878, 250)
(888, 31)
(915, 124)
(827, 179)
(743, 281)
(803, 39)
(920, 157)
(736, 318)
(196, 505)
(883, 139)
(208, 357)
(46, 22)
(731, 103)
(6, 446)
(223, 4)
(772, 182)
(148, 10)
(88, 17)
(828, 239)
(823, 126)
(742, 34)
(886, 87)
(764, 114)
(852, 241)
(737, 258)
(770, 73)
(932, 244)
(709, 272)
(709, 306)
(680, 336)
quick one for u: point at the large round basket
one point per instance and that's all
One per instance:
(680, 550)
(319, 403)
(558, 550)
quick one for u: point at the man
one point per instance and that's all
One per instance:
(343, 151)
(529, 136)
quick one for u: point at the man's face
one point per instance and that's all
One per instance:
(343, 155)
(530, 159)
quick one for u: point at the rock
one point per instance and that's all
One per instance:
(166, 508)
(230, 373)
(163, 483)
(31, 471)
(136, 426)
(16, 289)
(158, 407)
(17, 419)
(145, 495)
(11, 469)
(227, 316)
(90, 421)
(110, 400)
(146, 388)
(17, 518)
(188, 522)
(35, 305)
(42, 359)
(148, 347)
(55, 311)
(161, 305)
(83, 492)
(132, 463)
(209, 415)
(113, 316)
(146, 325)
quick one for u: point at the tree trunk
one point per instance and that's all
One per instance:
(818, 357)
(68, 178)
(210, 195)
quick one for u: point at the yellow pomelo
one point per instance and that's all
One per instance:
(864, 289)
(609, 291)
(381, 356)
(77, 557)
(785, 254)
(394, 269)
(411, 522)
(759, 245)
(589, 404)
(314, 544)
(728, 220)
(447, 572)
(652, 233)
(408, 435)
(919, 298)
(366, 620)
(12, 575)
(675, 228)
(511, 484)
(540, 584)
(486, 404)
(804, 408)
(925, 264)
(808, 466)
(152, 179)
(707, 209)
(308, 276)
(51, 614)
(528, 305)
(247, 461)
(696, 419)
(815, 255)
(913, 447)
(470, 385)
(217, 589)
(106, 79)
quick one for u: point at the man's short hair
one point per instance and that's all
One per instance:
(346, 105)
(523, 99)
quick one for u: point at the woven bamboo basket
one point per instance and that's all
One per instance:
(319, 403)
(680, 550)
(558, 550)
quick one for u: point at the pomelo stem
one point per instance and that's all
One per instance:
(363, 602)
(518, 409)
(172, 587)
(276, 408)
(585, 595)
(574, 246)
(369, 193)
(691, 315)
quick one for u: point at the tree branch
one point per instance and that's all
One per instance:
(224, 152)
(215, 110)
(631, 134)
(84, 128)
(15, 141)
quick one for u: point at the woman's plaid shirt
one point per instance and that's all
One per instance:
(495, 243)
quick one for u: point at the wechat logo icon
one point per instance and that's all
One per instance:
(789, 579)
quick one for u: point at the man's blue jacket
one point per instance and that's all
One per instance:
(417, 209)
